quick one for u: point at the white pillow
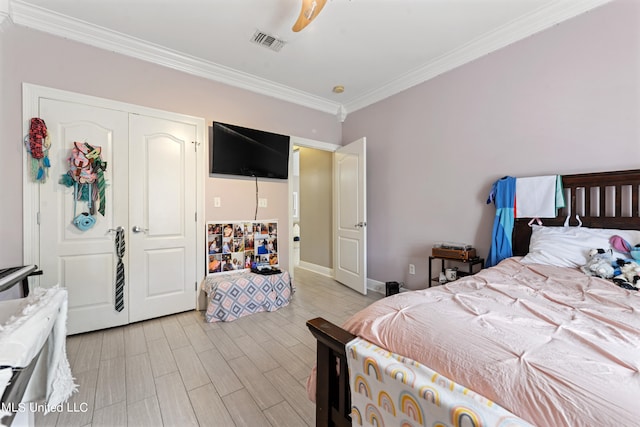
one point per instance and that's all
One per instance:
(569, 246)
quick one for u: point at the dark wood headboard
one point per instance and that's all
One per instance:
(601, 199)
(617, 208)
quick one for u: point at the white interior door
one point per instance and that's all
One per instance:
(350, 216)
(155, 181)
(162, 221)
(83, 261)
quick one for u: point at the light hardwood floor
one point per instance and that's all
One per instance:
(180, 371)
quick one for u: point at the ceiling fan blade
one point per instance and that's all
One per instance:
(310, 9)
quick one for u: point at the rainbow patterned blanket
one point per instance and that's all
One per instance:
(391, 390)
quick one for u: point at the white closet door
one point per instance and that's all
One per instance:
(162, 217)
(83, 261)
(151, 177)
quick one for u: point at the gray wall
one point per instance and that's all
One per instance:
(566, 100)
(72, 66)
(316, 202)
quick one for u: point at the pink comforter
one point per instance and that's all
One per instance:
(549, 344)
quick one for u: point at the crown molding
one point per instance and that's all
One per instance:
(519, 29)
(63, 26)
(74, 29)
(4, 12)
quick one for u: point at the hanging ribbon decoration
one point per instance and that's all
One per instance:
(119, 301)
(100, 185)
(38, 144)
(87, 175)
(84, 221)
(98, 167)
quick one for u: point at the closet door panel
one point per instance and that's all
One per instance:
(83, 261)
(163, 258)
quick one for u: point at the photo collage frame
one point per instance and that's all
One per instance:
(234, 246)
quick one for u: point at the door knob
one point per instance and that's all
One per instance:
(361, 224)
(137, 229)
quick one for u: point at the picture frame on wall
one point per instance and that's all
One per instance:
(235, 246)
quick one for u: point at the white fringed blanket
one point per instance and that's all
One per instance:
(40, 317)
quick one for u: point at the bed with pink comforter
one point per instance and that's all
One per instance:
(549, 344)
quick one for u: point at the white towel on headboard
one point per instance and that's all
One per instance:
(536, 197)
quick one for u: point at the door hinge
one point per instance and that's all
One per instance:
(196, 216)
(38, 217)
(195, 287)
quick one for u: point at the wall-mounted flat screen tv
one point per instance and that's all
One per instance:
(249, 152)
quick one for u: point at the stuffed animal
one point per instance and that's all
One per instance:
(629, 272)
(621, 245)
(599, 264)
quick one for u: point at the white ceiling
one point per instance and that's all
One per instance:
(374, 48)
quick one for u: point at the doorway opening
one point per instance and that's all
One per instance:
(310, 205)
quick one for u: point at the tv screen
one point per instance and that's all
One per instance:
(249, 152)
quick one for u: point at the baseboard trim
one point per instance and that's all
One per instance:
(375, 286)
(325, 271)
(372, 285)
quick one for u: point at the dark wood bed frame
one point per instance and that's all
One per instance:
(602, 200)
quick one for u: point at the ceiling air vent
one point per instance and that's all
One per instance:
(268, 41)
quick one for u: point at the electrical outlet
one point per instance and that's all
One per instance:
(262, 203)
(412, 269)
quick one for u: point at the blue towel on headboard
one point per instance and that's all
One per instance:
(502, 195)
